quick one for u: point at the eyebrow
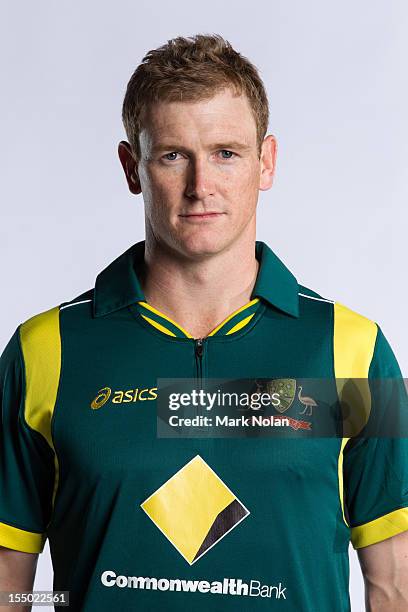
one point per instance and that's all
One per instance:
(234, 144)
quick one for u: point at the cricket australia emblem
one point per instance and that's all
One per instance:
(285, 388)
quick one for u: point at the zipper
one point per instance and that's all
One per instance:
(199, 348)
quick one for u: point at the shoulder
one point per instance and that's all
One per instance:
(354, 335)
(345, 318)
(82, 299)
(41, 332)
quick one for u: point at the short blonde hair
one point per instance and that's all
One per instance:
(192, 69)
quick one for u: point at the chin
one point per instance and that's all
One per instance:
(200, 244)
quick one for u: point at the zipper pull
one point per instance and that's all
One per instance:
(199, 347)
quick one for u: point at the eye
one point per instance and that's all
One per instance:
(167, 156)
(230, 154)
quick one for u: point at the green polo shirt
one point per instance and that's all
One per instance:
(138, 521)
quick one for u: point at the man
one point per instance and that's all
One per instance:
(136, 520)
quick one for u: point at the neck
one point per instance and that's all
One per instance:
(199, 294)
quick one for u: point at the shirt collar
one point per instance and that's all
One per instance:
(118, 285)
(275, 283)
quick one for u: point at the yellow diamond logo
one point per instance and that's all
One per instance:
(194, 509)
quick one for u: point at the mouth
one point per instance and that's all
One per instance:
(202, 216)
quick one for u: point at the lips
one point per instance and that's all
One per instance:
(203, 214)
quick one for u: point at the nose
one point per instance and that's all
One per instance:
(200, 183)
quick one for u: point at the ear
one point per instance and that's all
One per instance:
(129, 165)
(268, 162)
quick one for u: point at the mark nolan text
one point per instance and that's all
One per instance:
(242, 421)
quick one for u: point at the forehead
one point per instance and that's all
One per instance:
(225, 115)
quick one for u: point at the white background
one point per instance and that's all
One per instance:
(336, 77)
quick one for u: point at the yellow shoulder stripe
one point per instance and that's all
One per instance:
(380, 529)
(354, 340)
(353, 345)
(41, 347)
(18, 539)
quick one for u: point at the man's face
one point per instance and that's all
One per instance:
(200, 173)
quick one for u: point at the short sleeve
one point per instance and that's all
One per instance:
(375, 464)
(26, 461)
